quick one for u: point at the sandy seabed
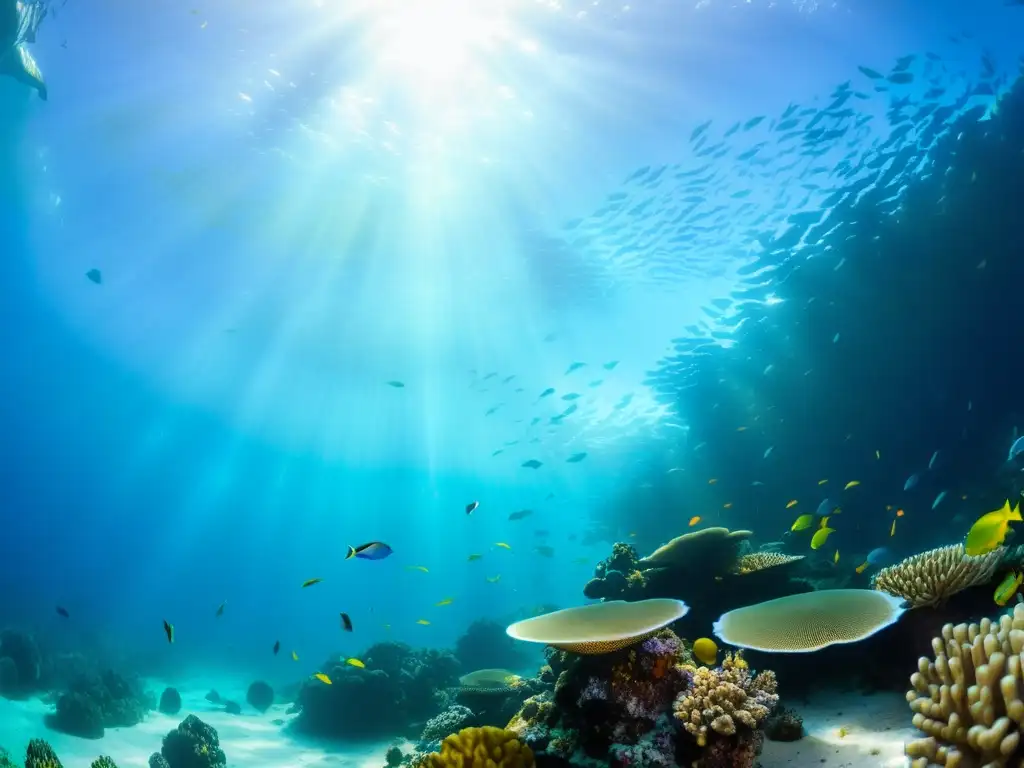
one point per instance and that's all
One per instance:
(847, 730)
(249, 740)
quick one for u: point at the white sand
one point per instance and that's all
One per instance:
(249, 740)
(876, 729)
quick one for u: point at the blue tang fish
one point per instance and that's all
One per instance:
(879, 557)
(375, 550)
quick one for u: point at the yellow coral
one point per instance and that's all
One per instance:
(485, 747)
(969, 699)
(536, 710)
(719, 699)
(933, 576)
(636, 579)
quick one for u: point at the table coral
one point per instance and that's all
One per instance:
(481, 748)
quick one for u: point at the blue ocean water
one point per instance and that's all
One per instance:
(295, 207)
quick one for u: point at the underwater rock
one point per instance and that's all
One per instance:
(397, 686)
(193, 744)
(784, 725)
(24, 654)
(452, 720)
(170, 702)
(260, 696)
(95, 702)
(484, 645)
(156, 760)
(232, 707)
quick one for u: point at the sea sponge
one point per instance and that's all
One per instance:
(481, 748)
(41, 755)
(760, 561)
(711, 550)
(724, 699)
(809, 621)
(931, 577)
(969, 699)
(600, 628)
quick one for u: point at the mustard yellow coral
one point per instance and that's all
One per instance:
(485, 747)
(931, 577)
(723, 699)
(969, 701)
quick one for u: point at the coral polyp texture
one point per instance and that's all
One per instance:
(809, 621)
(600, 628)
(761, 561)
(968, 699)
(931, 577)
(480, 748)
(725, 699)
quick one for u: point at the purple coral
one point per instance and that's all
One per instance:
(661, 645)
(596, 689)
(657, 747)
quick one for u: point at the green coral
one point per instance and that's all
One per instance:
(41, 755)
(103, 762)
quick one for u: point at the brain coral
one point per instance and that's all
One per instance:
(481, 748)
(969, 699)
(809, 621)
(930, 577)
(725, 697)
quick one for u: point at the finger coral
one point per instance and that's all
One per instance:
(724, 699)
(968, 700)
(481, 748)
(809, 621)
(931, 577)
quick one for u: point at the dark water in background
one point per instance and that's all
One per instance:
(923, 332)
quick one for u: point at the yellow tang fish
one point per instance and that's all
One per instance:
(295, 656)
(863, 567)
(446, 601)
(824, 522)
(792, 503)
(1008, 587)
(892, 531)
(417, 568)
(323, 678)
(851, 484)
(355, 663)
(802, 523)
(822, 482)
(423, 622)
(694, 520)
(836, 558)
(990, 530)
(705, 650)
(503, 545)
(820, 536)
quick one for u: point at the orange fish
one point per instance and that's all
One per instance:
(900, 513)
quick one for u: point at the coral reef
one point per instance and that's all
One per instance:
(260, 696)
(103, 762)
(398, 689)
(5, 759)
(170, 702)
(452, 720)
(394, 757)
(617, 709)
(810, 621)
(156, 760)
(480, 748)
(193, 744)
(20, 664)
(600, 628)
(968, 700)
(41, 755)
(618, 576)
(725, 699)
(495, 695)
(931, 577)
(784, 725)
(96, 702)
(484, 644)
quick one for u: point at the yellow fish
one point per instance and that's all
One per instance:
(494, 579)
(446, 601)
(792, 503)
(836, 558)
(295, 656)
(503, 545)
(802, 523)
(694, 520)
(417, 568)
(423, 622)
(822, 482)
(1008, 587)
(311, 582)
(851, 484)
(863, 567)
(705, 650)
(892, 531)
(824, 522)
(990, 530)
(355, 663)
(820, 536)
(473, 557)
(323, 678)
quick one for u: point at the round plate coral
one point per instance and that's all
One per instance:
(600, 628)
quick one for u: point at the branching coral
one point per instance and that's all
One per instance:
(969, 699)
(41, 755)
(721, 699)
(931, 577)
(481, 748)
